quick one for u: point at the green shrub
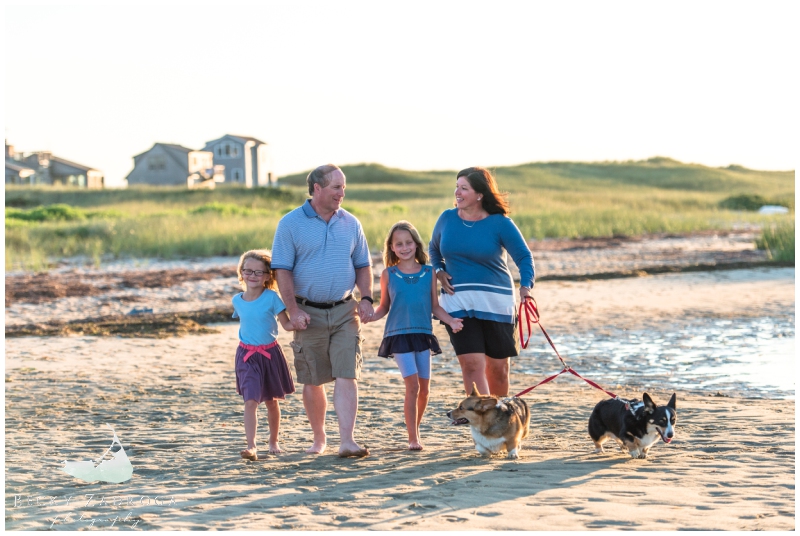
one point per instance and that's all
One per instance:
(778, 241)
(58, 212)
(750, 202)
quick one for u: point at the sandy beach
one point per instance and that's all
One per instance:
(173, 405)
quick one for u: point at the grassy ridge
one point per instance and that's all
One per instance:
(556, 199)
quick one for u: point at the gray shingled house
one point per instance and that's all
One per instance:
(247, 160)
(167, 164)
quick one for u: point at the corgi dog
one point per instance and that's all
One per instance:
(636, 425)
(496, 424)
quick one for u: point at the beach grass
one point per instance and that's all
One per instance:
(778, 241)
(548, 200)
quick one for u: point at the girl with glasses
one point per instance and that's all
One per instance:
(262, 374)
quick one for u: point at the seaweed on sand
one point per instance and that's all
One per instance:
(156, 326)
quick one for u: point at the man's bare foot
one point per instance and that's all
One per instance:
(275, 448)
(317, 448)
(414, 445)
(353, 451)
(250, 454)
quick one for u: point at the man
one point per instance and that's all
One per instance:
(319, 255)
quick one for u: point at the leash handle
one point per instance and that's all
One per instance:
(527, 310)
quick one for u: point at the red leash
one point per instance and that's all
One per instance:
(530, 313)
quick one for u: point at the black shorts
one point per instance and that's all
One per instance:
(497, 340)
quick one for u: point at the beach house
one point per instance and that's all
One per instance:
(247, 160)
(168, 164)
(44, 168)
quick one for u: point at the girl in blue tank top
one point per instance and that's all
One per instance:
(408, 295)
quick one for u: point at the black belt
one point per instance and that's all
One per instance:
(315, 305)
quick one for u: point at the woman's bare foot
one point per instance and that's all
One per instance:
(316, 448)
(414, 445)
(275, 448)
(250, 454)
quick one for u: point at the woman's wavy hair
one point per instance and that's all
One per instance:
(259, 255)
(493, 200)
(389, 258)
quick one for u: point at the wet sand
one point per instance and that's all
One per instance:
(173, 405)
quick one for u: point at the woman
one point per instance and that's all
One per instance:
(467, 252)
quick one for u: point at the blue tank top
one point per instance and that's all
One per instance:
(410, 308)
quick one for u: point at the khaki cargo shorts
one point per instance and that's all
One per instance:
(330, 347)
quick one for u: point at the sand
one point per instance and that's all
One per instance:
(174, 407)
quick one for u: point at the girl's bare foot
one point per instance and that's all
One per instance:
(316, 448)
(250, 454)
(275, 448)
(414, 445)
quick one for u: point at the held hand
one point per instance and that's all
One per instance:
(456, 325)
(365, 311)
(300, 320)
(444, 278)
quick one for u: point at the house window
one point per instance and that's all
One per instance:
(237, 175)
(156, 162)
(228, 150)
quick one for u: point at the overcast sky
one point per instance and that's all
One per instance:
(415, 85)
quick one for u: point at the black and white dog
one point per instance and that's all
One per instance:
(637, 425)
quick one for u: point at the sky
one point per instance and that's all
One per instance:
(416, 84)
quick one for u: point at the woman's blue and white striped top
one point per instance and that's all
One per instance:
(473, 253)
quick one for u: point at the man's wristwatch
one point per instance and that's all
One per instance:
(368, 298)
(437, 270)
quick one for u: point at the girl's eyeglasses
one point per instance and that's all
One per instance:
(257, 273)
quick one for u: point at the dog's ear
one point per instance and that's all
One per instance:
(475, 390)
(671, 403)
(649, 405)
(486, 404)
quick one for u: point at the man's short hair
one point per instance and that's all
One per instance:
(320, 176)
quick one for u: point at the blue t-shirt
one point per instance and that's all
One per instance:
(257, 322)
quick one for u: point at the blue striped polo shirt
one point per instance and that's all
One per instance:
(322, 256)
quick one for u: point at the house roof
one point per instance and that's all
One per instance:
(16, 165)
(240, 139)
(247, 138)
(60, 160)
(172, 146)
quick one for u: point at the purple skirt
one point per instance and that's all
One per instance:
(409, 342)
(263, 378)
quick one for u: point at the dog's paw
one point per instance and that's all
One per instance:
(643, 456)
(513, 454)
(599, 450)
(634, 454)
